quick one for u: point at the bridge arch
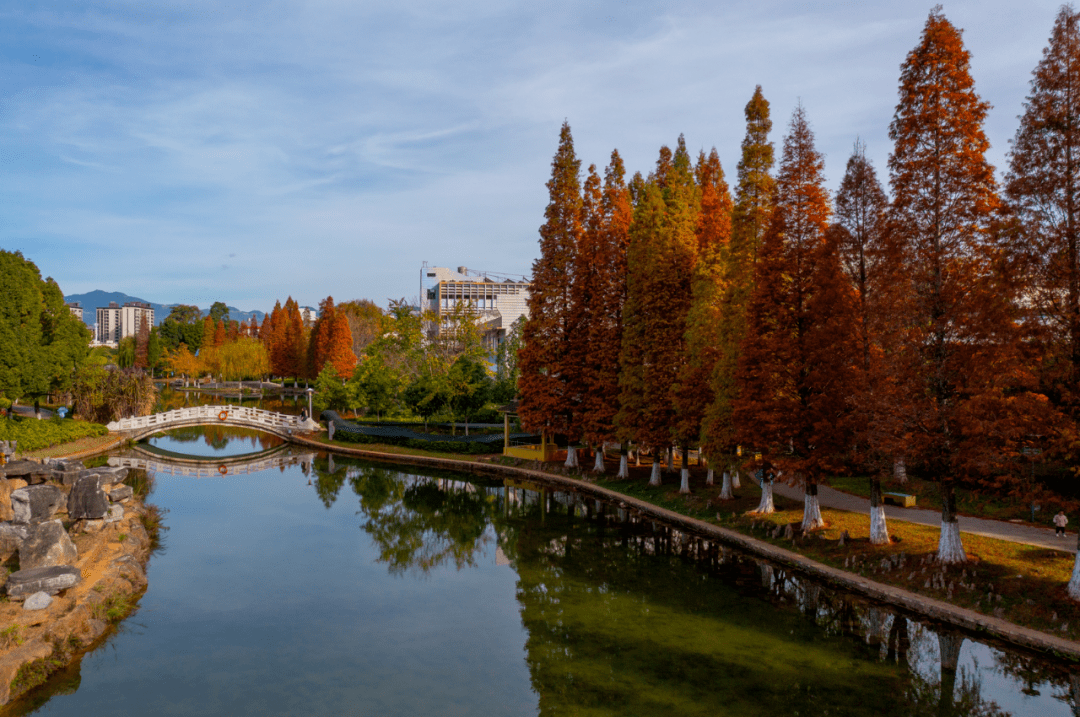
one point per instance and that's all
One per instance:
(279, 424)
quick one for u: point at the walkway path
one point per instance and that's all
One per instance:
(1014, 532)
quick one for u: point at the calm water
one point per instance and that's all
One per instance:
(339, 587)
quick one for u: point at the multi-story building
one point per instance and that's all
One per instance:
(497, 300)
(76, 308)
(115, 322)
(308, 315)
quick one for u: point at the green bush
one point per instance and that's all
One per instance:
(34, 435)
(438, 446)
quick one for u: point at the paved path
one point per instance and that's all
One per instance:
(1017, 533)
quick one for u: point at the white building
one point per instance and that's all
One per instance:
(499, 301)
(308, 315)
(115, 322)
(76, 308)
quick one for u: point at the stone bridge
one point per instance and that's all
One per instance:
(280, 424)
(211, 468)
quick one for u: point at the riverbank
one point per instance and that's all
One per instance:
(111, 562)
(984, 596)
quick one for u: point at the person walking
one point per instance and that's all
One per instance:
(1060, 521)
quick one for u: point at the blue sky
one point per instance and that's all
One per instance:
(244, 152)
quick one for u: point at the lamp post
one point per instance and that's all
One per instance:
(309, 392)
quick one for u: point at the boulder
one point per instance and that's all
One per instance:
(115, 514)
(11, 537)
(112, 474)
(17, 483)
(49, 580)
(38, 601)
(35, 503)
(48, 545)
(121, 493)
(6, 512)
(20, 469)
(87, 500)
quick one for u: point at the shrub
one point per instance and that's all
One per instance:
(34, 435)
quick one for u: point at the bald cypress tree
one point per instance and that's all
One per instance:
(547, 402)
(753, 207)
(796, 364)
(944, 195)
(693, 390)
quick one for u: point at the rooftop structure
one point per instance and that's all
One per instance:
(497, 299)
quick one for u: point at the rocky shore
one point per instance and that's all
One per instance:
(73, 552)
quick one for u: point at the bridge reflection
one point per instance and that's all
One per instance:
(213, 467)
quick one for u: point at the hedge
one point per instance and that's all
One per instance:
(33, 435)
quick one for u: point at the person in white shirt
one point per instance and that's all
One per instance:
(1060, 521)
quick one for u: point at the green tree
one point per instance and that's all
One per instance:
(506, 363)
(219, 312)
(330, 392)
(469, 388)
(377, 385)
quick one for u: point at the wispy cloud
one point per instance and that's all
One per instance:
(202, 151)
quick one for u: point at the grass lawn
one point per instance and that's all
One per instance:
(87, 443)
(404, 450)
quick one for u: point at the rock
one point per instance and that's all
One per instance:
(22, 469)
(13, 660)
(115, 514)
(6, 513)
(17, 483)
(11, 537)
(111, 474)
(88, 526)
(38, 601)
(48, 545)
(35, 503)
(50, 580)
(86, 499)
(121, 493)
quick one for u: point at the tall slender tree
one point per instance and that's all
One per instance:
(859, 231)
(693, 391)
(547, 403)
(1043, 195)
(796, 365)
(753, 206)
(943, 197)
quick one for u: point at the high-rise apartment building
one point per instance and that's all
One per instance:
(115, 322)
(76, 308)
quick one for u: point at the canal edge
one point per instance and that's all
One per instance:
(928, 607)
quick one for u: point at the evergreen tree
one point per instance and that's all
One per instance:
(339, 351)
(546, 402)
(943, 197)
(220, 335)
(753, 206)
(796, 367)
(142, 344)
(693, 392)
(320, 338)
(660, 266)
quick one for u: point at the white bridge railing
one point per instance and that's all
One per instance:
(164, 467)
(242, 415)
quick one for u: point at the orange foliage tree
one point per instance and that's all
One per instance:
(339, 352)
(796, 366)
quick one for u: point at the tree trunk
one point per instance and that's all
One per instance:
(949, 644)
(725, 487)
(709, 476)
(466, 425)
(598, 464)
(950, 548)
(654, 478)
(670, 457)
(571, 457)
(637, 458)
(879, 532)
(765, 507)
(684, 487)
(1073, 588)
(735, 484)
(899, 470)
(811, 509)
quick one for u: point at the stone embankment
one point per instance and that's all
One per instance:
(73, 551)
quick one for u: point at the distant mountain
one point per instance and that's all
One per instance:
(92, 300)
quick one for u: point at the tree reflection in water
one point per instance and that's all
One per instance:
(625, 616)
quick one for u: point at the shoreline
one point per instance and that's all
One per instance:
(927, 607)
(930, 608)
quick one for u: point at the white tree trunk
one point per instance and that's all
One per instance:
(725, 487)
(684, 487)
(624, 467)
(670, 458)
(899, 470)
(949, 645)
(598, 464)
(950, 548)
(571, 457)
(811, 519)
(709, 477)
(879, 532)
(637, 458)
(766, 506)
(735, 484)
(654, 478)
(1074, 582)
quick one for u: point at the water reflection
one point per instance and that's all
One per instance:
(625, 615)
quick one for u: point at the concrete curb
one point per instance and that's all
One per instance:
(905, 599)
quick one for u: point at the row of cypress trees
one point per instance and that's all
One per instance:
(937, 328)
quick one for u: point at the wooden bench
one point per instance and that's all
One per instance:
(901, 499)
